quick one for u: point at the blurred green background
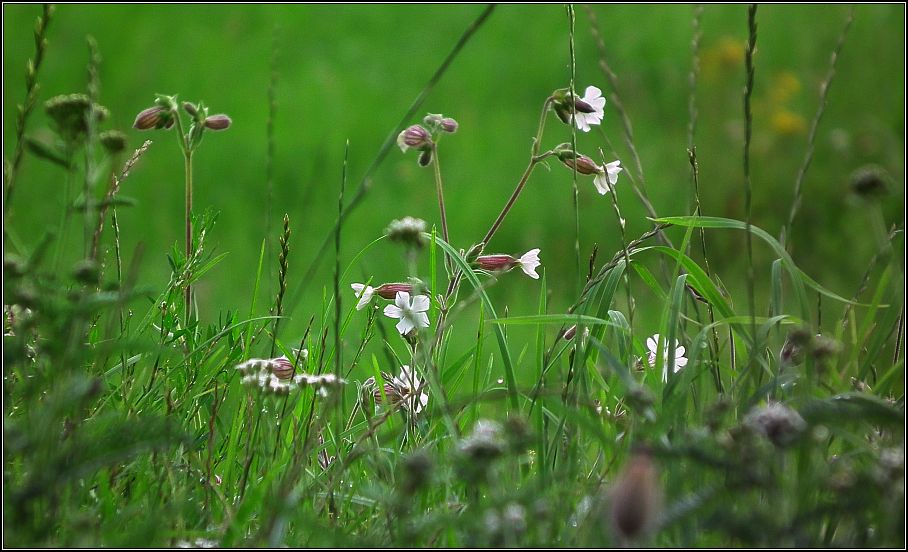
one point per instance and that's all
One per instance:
(350, 72)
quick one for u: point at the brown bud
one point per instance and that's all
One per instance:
(156, 117)
(218, 122)
(190, 108)
(635, 499)
(389, 291)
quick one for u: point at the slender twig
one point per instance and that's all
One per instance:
(574, 191)
(115, 182)
(337, 268)
(693, 116)
(366, 181)
(91, 136)
(748, 191)
(31, 97)
(269, 151)
(785, 236)
(281, 280)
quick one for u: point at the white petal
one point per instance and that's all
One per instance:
(652, 343)
(528, 263)
(402, 299)
(679, 352)
(590, 93)
(598, 104)
(680, 363)
(420, 319)
(365, 297)
(393, 311)
(612, 169)
(581, 122)
(530, 256)
(404, 326)
(401, 143)
(602, 184)
(357, 288)
(420, 303)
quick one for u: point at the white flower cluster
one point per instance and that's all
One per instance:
(275, 376)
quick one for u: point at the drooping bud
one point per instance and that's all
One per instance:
(494, 263)
(218, 122)
(156, 117)
(582, 163)
(389, 291)
(70, 112)
(113, 141)
(425, 158)
(414, 136)
(449, 125)
(190, 108)
(870, 182)
(635, 499)
(407, 230)
(777, 422)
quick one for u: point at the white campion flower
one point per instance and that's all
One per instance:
(652, 344)
(411, 314)
(364, 293)
(411, 390)
(608, 177)
(592, 97)
(527, 263)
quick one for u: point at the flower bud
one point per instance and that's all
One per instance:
(218, 122)
(282, 368)
(156, 117)
(87, 272)
(414, 136)
(408, 230)
(582, 107)
(870, 182)
(449, 125)
(777, 422)
(582, 163)
(389, 291)
(635, 499)
(425, 158)
(190, 108)
(494, 263)
(69, 112)
(113, 141)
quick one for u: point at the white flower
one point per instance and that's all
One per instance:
(608, 177)
(593, 97)
(364, 293)
(410, 389)
(652, 343)
(528, 263)
(412, 315)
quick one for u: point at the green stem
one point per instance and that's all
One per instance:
(187, 295)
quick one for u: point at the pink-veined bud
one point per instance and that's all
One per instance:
(414, 136)
(449, 125)
(389, 291)
(494, 263)
(218, 122)
(156, 117)
(582, 163)
(582, 107)
(282, 368)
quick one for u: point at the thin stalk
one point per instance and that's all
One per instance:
(31, 97)
(439, 190)
(187, 294)
(748, 191)
(785, 237)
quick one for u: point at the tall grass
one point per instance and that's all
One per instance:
(128, 422)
